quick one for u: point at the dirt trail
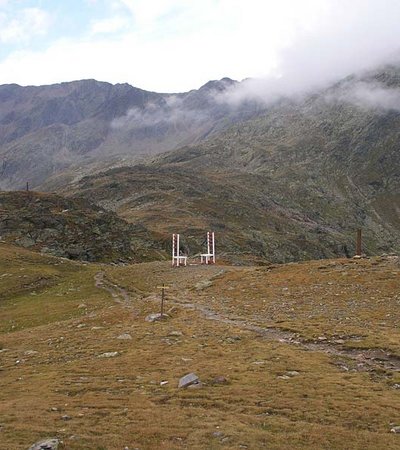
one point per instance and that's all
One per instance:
(119, 294)
(366, 360)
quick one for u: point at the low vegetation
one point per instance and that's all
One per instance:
(278, 349)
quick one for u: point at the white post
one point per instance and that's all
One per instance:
(213, 246)
(173, 250)
(177, 250)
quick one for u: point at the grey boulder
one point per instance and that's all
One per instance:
(47, 444)
(188, 380)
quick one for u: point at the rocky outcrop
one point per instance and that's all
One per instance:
(70, 228)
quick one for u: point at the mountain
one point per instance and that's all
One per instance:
(294, 182)
(47, 130)
(280, 181)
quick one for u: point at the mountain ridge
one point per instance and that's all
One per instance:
(290, 181)
(318, 168)
(87, 121)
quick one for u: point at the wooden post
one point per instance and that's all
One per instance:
(163, 288)
(27, 186)
(162, 300)
(358, 243)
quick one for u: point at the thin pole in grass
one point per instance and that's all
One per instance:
(359, 242)
(163, 288)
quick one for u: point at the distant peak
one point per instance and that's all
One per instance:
(218, 85)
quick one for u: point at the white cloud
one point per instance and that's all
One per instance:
(110, 25)
(369, 95)
(347, 37)
(176, 45)
(28, 23)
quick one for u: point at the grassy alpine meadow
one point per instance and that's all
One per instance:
(297, 356)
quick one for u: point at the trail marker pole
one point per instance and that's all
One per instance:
(162, 300)
(359, 243)
(163, 288)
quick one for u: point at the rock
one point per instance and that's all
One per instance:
(175, 333)
(188, 380)
(197, 385)
(47, 444)
(156, 317)
(81, 306)
(232, 339)
(108, 355)
(218, 434)
(395, 430)
(66, 417)
(125, 337)
(163, 383)
(220, 380)
(292, 373)
(26, 242)
(203, 285)
(31, 352)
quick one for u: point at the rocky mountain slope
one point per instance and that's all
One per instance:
(47, 130)
(292, 183)
(71, 228)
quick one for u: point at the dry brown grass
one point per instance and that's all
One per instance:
(117, 402)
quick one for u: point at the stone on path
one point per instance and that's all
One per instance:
(125, 337)
(175, 333)
(155, 317)
(203, 285)
(220, 380)
(47, 444)
(188, 380)
(108, 355)
(196, 385)
(395, 430)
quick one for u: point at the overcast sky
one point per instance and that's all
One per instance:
(178, 45)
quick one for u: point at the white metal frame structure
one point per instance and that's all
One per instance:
(177, 259)
(209, 257)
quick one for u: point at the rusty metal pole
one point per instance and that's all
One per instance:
(358, 243)
(162, 300)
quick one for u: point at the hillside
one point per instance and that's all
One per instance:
(71, 228)
(292, 183)
(300, 355)
(78, 126)
(280, 182)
